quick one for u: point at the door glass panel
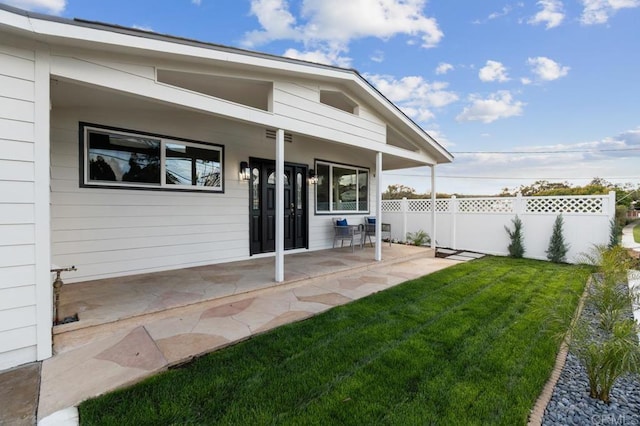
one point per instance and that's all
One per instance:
(299, 191)
(344, 189)
(272, 178)
(256, 188)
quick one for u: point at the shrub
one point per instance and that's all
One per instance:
(418, 238)
(614, 233)
(558, 248)
(603, 340)
(516, 247)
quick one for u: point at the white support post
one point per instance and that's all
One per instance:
(454, 224)
(404, 206)
(379, 206)
(44, 290)
(433, 207)
(279, 206)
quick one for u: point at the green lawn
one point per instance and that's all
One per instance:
(636, 233)
(461, 346)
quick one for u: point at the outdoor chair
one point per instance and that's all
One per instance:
(370, 230)
(342, 232)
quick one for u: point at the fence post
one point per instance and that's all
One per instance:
(519, 207)
(612, 206)
(454, 224)
(404, 207)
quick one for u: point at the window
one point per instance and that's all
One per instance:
(122, 158)
(341, 188)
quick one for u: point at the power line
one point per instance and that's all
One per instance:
(512, 178)
(560, 151)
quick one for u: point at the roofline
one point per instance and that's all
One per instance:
(135, 32)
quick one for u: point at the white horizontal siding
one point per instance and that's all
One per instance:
(11, 235)
(114, 232)
(17, 318)
(15, 150)
(17, 222)
(307, 111)
(17, 276)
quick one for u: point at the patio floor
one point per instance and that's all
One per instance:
(133, 327)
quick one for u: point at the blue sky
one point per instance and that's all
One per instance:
(553, 82)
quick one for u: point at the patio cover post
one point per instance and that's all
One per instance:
(279, 206)
(433, 206)
(378, 206)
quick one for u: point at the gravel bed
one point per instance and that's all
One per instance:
(571, 404)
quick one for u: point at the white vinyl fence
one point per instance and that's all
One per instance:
(477, 224)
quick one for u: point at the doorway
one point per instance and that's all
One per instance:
(262, 206)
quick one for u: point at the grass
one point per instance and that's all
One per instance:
(636, 233)
(465, 345)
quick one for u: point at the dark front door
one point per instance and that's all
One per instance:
(262, 206)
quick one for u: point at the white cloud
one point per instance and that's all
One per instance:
(493, 71)
(599, 11)
(320, 56)
(498, 105)
(547, 69)
(526, 81)
(378, 56)
(50, 6)
(552, 13)
(443, 68)
(143, 27)
(414, 95)
(339, 22)
(196, 2)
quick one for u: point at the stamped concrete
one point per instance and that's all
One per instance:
(101, 358)
(19, 395)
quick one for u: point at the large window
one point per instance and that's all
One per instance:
(341, 188)
(122, 158)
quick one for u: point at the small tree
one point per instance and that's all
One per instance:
(516, 247)
(558, 248)
(614, 233)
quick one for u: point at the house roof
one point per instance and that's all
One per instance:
(49, 33)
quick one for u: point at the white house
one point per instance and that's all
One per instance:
(124, 151)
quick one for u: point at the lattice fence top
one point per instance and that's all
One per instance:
(392, 206)
(486, 205)
(587, 204)
(564, 205)
(419, 205)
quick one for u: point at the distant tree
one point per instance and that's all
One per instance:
(398, 192)
(516, 247)
(558, 248)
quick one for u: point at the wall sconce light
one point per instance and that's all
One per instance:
(244, 173)
(313, 179)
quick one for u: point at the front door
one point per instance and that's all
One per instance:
(262, 206)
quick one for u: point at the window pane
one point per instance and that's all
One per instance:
(363, 191)
(344, 189)
(194, 166)
(122, 158)
(322, 188)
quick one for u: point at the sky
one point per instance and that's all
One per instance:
(517, 91)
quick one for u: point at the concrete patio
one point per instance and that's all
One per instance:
(134, 327)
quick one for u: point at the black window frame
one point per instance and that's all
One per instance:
(330, 211)
(85, 182)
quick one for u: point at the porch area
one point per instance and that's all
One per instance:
(132, 327)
